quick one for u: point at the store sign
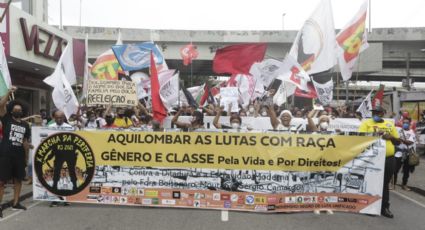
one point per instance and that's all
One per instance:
(33, 41)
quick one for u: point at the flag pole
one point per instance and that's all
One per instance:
(337, 87)
(191, 65)
(178, 91)
(357, 79)
(5, 10)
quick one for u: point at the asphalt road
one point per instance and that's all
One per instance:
(409, 214)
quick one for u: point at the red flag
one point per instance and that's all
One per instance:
(238, 58)
(159, 111)
(188, 53)
(310, 94)
(205, 95)
(378, 97)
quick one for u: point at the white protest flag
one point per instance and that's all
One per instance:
(5, 82)
(365, 107)
(229, 96)
(294, 74)
(285, 89)
(352, 40)
(143, 84)
(63, 95)
(324, 91)
(246, 88)
(195, 91)
(266, 71)
(314, 46)
(64, 66)
(163, 66)
(168, 87)
(86, 68)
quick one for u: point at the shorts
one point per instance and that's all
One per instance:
(12, 167)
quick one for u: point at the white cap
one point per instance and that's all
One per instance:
(285, 111)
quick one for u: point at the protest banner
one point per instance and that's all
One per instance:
(118, 93)
(263, 123)
(262, 172)
(229, 96)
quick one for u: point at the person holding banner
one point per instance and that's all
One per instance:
(197, 121)
(14, 148)
(284, 121)
(122, 121)
(388, 132)
(59, 121)
(322, 126)
(235, 120)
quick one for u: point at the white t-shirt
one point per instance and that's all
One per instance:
(290, 128)
(406, 135)
(64, 125)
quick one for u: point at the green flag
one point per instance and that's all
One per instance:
(5, 81)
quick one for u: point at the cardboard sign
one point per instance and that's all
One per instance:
(118, 93)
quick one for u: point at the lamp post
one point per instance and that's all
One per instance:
(283, 21)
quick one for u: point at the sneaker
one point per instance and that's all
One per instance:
(18, 206)
(54, 204)
(404, 187)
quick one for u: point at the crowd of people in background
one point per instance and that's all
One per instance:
(110, 117)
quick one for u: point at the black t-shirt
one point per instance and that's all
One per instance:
(14, 133)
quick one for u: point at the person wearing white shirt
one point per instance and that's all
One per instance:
(408, 144)
(60, 123)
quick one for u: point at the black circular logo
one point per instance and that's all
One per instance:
(64, 164)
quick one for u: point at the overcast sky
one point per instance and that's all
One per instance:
(228, 14)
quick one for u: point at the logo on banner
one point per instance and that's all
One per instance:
(64, 164)
(249, 199)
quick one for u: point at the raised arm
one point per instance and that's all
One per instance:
(4, 99)
(311, 126)
(273, 118)
(178, 123)
(216, 122)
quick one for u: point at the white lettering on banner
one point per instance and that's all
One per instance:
(118, 93)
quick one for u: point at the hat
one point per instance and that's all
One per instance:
(378, 109)
(286, 111)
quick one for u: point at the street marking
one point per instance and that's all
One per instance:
(18, 212)
(408, 198)
(224, 215)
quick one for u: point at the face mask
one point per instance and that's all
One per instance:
(235, 125)
(72, 123)
(264, 113)
(406, 126)
(251, 110)
(377, 118)
(324, 125)
(17, 114)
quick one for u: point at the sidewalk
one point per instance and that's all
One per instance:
(26, 193)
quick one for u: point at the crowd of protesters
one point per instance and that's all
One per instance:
(140, 117)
